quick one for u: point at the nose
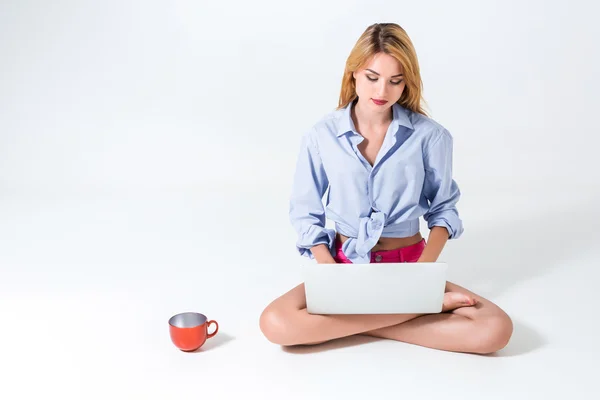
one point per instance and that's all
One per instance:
(381, 89)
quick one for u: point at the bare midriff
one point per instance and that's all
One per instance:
(390, 243)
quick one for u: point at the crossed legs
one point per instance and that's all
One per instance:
(467, 323)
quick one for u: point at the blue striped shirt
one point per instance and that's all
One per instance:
(410, 178)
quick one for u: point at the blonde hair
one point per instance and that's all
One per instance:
(391, 39)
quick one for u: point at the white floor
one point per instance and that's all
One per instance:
(88, 282)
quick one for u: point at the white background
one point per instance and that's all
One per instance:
(146, 155)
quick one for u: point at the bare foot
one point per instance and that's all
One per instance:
(453, 300)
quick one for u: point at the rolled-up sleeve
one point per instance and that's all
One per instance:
(307, 213)
(440, 189)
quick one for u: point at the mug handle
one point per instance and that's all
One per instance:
(209, 335)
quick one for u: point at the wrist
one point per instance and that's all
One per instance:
(322, 254)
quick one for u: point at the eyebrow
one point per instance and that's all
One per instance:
(376, 73)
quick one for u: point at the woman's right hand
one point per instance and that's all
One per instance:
(322, 255)
(330, 260)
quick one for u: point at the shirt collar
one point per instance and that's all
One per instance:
(400, 117)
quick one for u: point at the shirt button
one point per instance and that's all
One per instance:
(378, 258)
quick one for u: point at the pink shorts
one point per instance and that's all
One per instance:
(406, 254)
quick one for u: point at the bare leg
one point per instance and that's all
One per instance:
(484, 328)
(286, 322)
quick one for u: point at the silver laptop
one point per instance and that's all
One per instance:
(386, 288)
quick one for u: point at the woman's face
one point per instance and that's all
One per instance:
(381, 79)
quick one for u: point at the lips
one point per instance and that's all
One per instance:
(379, 102)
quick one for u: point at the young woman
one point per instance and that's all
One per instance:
(385, 165)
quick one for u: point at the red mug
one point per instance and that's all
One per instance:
(189, 330)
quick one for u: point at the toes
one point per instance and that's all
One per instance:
(468, 301)
(453, 300)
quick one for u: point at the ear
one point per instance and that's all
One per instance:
(354, 74)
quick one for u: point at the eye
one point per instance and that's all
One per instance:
(375, 79)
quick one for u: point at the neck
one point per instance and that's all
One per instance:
(369, 119)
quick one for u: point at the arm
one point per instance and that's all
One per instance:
(442, 193)
(322, 254)
(307, 213)
(438, 236)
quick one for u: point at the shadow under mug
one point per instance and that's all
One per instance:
(189, 330)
